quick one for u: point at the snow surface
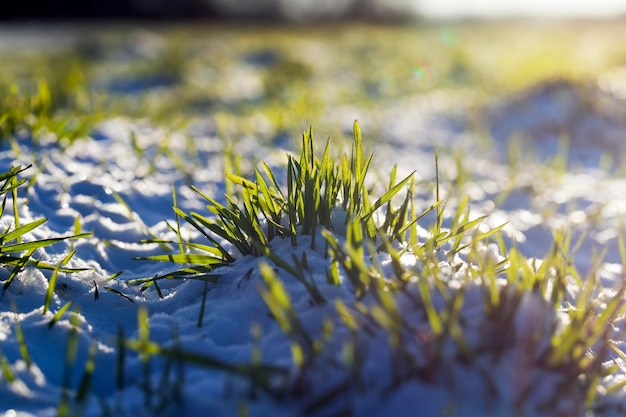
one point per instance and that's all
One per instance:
(83, 179)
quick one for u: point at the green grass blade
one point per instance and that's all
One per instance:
(16, 217)
(118, 292)
(18, 232)
(21, 341)
(85, 382)
(53, 280)
(202, 305)
(28, 246)
(6, 371)
(57, 316)
(186, 258)
(357, 149)
(387, 196)
(70, 358)
(17, 268)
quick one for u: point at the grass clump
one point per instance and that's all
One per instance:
(14, 252)
(59, 103)
(321, 194)
(17, 252)
(543, 314)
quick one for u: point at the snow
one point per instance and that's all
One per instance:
(88, 179)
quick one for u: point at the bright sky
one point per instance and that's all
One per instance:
(543, 8)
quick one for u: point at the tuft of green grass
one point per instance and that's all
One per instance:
(17, 252)
(321, 194)
(13, 251)
(59, 103)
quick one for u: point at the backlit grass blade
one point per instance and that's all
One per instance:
(199, 272)
(387, 197)
(460, 230)
(10, 259)
(57, 316)
(614, 308)
(231, 228)
(186, 258)
(460, 217)
(198, 221)
(431, 312)
(20, 231)
(357, 149)
(350, 257)
(279, 303)
(438, 195)
(292, 209)
(86, 380)
(270, 175)
(2, 207)
(13, 171)
(16, 217)
(191, 245)
(45, 266)
(147, 349)
(18, 265)
(19, 336)
(53, 280)
(259, 373)
(481, 236)
(5, 370)
(296, 271)
(28, 246)
(70, 358)
(175, 207)
(414, 221)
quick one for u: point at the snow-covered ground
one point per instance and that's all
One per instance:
(123, 196)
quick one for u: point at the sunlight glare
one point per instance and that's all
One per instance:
(534, 8)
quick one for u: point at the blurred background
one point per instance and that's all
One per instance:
(303, 10)
(264, 70)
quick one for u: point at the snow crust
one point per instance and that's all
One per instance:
(88, 179)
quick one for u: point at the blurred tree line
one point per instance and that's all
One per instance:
(272, 10)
